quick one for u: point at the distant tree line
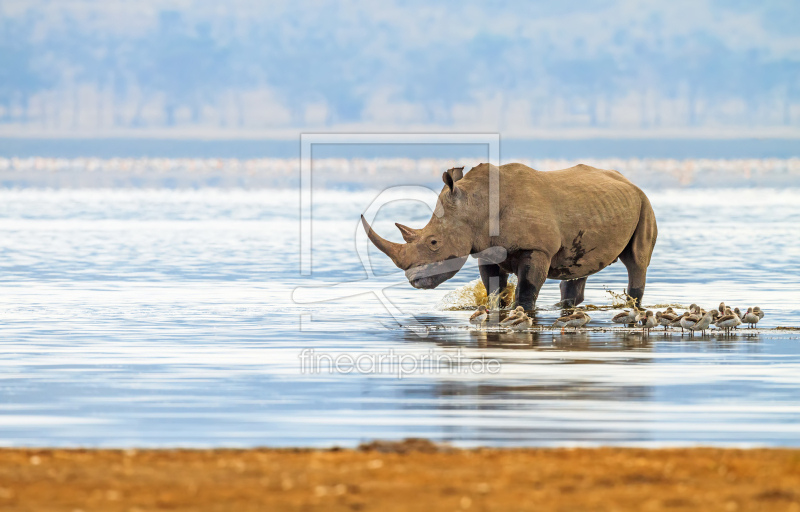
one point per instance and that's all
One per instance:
(184, 71)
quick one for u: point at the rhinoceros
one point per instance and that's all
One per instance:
(564, 225)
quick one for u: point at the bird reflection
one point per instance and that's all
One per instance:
(510, 340)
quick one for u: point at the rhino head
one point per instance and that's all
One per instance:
(435, 253)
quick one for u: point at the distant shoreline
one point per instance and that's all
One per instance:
(510, 148)
(370, 173)
(409, 475)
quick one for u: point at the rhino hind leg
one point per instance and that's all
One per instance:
(636, 281)
(572, 292)
(531, 275)
(493, 277)
(637, 275)
(636, 256)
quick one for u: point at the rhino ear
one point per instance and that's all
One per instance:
(409, 235)
(451, 176)
(448, 180)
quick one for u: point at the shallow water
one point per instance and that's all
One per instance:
(168, 318)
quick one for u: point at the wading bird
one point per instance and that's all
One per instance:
(515, 314)
(679, 321)
(626, 317)
(479, 316)
(705, 321)
(666, 319)
(648, 322)
(521, 323)
(751, 318)
(575, 320)
(728, 321)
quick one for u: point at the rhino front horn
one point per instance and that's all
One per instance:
(391, 249)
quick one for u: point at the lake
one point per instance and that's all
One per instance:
(158, 317)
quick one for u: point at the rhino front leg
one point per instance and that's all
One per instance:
(572, 292)
(493, 278)
(531, 274)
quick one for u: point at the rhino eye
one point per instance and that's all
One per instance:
(433, 242)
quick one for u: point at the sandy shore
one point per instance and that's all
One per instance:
(414, 475)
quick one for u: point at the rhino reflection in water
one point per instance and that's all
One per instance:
(564, 225)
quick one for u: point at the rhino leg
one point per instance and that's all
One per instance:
(572, 292)
(636, 256)
(493, 278)
(531, 274)
(637, 276)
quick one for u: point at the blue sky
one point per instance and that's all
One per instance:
(528, 69)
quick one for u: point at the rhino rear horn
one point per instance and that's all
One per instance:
(409, 235)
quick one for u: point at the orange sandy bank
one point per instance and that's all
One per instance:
(414, 475)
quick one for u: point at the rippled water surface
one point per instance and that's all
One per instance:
(166, 318)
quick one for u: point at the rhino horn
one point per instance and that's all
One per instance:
(409, 235)
(391, 249)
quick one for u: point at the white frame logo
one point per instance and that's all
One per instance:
(377, 284)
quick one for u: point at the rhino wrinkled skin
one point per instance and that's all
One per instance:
(564, 225)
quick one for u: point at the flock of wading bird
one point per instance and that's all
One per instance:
(693, 320)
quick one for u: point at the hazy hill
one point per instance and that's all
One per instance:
(232, 67)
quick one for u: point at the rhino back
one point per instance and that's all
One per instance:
(581, 217)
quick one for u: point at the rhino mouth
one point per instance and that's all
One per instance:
(429, 283)
(431, 275)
